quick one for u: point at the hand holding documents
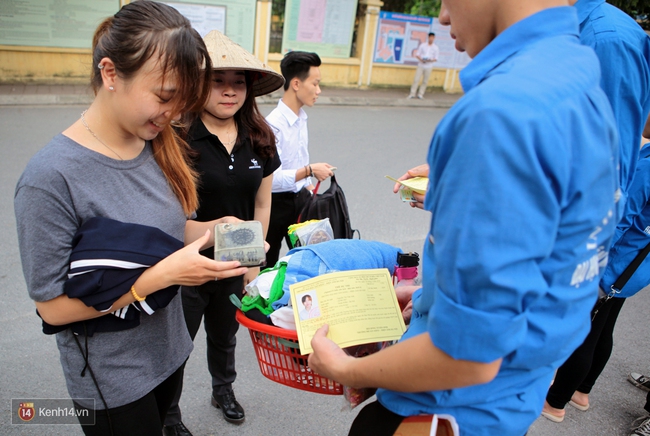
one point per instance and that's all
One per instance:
(360, 307)
(416, 184)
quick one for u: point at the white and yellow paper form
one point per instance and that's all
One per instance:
(409, 186)
(360, 307)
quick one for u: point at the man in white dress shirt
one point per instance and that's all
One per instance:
(292, 181)
(427, 54)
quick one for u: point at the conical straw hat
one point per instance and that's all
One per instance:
(228, 55)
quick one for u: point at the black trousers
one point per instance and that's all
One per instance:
(211, 302)
(583, 367)
(285, 208)
(375, 420)
(143, 417)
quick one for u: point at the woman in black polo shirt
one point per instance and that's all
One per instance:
(235, 155)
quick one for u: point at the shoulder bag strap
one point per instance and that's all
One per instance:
(621, 280)
(631, 268)
(314, 193)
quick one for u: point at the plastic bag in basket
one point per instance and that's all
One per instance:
(355, 396)
(310, 232)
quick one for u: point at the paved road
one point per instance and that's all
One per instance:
(365, 143)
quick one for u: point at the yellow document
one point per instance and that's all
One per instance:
(360, 307)
(416, 184)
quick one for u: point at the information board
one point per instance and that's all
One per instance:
(449, 56)
(321, 26)
(207, 15)
(399, 35)
(204, 18)
(53, 23)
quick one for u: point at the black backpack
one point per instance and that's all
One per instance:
(330, 204)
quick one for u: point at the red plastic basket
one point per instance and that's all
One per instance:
(280, 360)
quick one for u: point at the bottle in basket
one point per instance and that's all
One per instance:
(406, 269)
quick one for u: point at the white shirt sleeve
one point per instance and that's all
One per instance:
(291, 142)
(283, 180)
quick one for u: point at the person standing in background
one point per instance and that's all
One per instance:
(235, 156)
(427, 54)
(292, 181)
(641, 425)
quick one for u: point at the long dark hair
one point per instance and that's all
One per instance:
(251, 122)
(139, 31)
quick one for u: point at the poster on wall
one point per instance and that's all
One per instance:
(234, 18)
(204, 18)
(52, 23)
(321, 26)
(399, 35)
(449, 56)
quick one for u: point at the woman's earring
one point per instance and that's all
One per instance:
(110, 88)
(100, 66)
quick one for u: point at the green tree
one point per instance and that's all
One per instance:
(637, 9)
(427, 8)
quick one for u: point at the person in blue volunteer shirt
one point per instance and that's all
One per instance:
(522, 180)
(623, 49)
(631, 235)
(631, 238)
(577, 376)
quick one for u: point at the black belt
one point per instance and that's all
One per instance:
(287, 194)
